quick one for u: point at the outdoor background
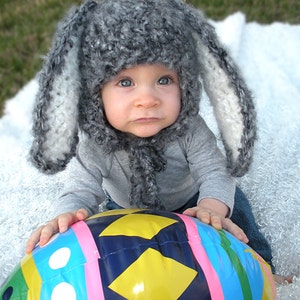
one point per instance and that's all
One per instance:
(27, 26)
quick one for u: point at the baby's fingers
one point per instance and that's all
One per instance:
(42, 235)
(33, 240)
(234, 229)
(60, 224)
(216, 221)
(67, 219)
(199, 213)
(48, 231)
(81, 214)
(205, 216)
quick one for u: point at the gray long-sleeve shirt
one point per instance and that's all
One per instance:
(194, 164)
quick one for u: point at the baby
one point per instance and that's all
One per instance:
(120, 92)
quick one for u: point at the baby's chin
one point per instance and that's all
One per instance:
(145, 131)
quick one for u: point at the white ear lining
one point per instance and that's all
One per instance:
(225, 102)
(62, 112)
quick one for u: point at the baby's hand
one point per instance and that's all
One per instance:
(60, 224)
(215, 219)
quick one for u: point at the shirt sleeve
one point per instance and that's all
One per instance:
(208, 165)
(83, 187)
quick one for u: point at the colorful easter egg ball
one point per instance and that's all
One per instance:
(141, 254)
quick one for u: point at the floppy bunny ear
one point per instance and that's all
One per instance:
(56, 108)
(228, 93)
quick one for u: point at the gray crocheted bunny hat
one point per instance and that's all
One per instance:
(99, 39)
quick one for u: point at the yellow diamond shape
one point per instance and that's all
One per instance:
(142, 225)
(153, 276)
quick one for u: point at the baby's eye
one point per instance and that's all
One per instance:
(165, 80)
(125, 82)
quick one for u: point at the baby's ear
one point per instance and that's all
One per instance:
(55, 115)
(228, 93)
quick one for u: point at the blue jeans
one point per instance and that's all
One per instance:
(242, 216)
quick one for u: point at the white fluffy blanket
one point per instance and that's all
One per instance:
(268, 56)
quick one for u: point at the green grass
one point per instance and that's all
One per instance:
(262, 11)
(26, 30)
(27, 26)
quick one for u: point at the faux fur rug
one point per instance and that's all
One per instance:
(268, 56)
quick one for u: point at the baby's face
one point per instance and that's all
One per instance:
(142, 100)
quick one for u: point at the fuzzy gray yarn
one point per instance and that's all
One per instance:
(63, 42)
(210, 40)
(111, 35)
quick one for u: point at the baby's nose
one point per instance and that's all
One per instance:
(147, 98)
